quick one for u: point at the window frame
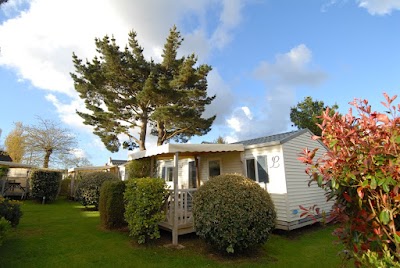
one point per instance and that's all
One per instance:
(220, 166)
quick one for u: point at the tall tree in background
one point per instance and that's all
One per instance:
(48, 139)
(123, 91)
(15, 143)
(306, 114)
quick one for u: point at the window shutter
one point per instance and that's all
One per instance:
(262, 169)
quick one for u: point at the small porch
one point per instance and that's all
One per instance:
(199, 161)
(184, 212)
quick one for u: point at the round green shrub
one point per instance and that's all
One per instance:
(10, 210)
(111, 204)
(233, 213)
(88, 188)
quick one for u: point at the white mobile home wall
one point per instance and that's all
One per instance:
(288, 183)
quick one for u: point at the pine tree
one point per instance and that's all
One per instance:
(306, 114)
(123, 91)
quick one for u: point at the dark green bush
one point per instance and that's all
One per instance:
(111, 204)
(4, 229)
(139, 168)
(233, 213)
(45, 183)
(10, 210)
(88, 188)
(144, 199)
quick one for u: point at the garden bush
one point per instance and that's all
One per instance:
(4, 229)
(45, 184)
(361, 172)
(10, 210)
(139, 168)
(88, 188)
(144, 199)
(233, 213)
(111, 204)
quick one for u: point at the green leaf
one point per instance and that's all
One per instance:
(386, 188)
(397, 238)
(373, 184)
(397, 139)
(365, 183)
(384, 217)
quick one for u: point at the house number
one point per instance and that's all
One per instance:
(275, 162)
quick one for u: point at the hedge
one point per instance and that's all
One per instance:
(111, 204)
(45, 184)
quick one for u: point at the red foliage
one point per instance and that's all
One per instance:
(362, 172)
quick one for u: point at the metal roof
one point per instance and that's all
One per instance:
(274, 139)
(187, 148)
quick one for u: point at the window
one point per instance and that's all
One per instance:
(256, 169)
(214, 168)
(262, 169)
(192, 174)
(251, 169)
(168, 172)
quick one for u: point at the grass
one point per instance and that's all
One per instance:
(64, 234)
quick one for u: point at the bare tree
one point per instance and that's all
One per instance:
(48, 139)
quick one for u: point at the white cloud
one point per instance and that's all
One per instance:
(67, 111)
(379, 7)
(230, 18)
(38, 43)
(291, 69)
(282, 78)
(224, 101)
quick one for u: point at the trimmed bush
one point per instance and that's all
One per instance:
(233, 213)
(88, 188)
(111, 204)
(45, 184)
(5, 227)
(65, 188)
(144, 199)
(139, 168)
(10, 210)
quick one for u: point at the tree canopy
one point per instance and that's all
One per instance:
(15, 143)
(127, 94)
(47, 139)
(307, 114)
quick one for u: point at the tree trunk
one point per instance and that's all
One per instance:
(161, 132)
(47, 158)
(142, 134)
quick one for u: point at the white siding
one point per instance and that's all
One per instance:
(276, 186)
(183, 170)
(230, 163)
(297, 180)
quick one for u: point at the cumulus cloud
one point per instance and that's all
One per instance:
(49, 31)
(379, 7)
(281, 78)
(224, 101)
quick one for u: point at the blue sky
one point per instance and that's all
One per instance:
(267, 55)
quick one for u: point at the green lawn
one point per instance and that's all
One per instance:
(63, 234)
